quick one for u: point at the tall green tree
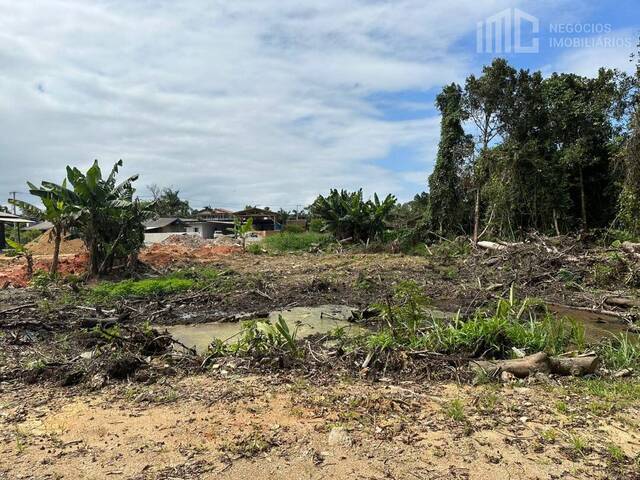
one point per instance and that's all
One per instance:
(629, 200)
(445, 185)
(483, 98)
(167, 202)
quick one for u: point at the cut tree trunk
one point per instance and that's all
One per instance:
(622, 302)
(476, 217)
(631, 247)
(491, 245)
(539, 363)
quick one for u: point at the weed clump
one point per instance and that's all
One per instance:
(409, 324)
(620, 352)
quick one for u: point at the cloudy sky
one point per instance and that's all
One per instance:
(266, 102)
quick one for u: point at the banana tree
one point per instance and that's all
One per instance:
(55, 211)
(347, 215)
(103, 211)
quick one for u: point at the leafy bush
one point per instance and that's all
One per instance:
(347, 215)
(261, 338)
(291, 242)
(316, 225)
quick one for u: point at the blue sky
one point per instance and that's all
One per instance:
(266, 102)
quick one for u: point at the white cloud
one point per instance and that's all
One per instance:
(610, 50)
(233, 102)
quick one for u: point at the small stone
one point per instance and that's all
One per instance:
(338, 436)
(507, 377)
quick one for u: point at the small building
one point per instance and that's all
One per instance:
(9, 218)
(40, 226)
(165, 225)
(214, 214)
(202, 229)
(263, 220)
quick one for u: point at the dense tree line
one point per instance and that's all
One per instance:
(522, 152)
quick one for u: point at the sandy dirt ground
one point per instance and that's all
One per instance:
(233, 426)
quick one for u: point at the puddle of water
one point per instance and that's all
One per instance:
(310, 321)
(323, 319)
(596, 326)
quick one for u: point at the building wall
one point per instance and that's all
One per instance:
(203, 229)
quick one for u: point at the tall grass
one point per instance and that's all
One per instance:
(621, 351)
(526, 325)
(292, 242)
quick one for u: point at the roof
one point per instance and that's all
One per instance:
(214, 211)
(11, 218)
(255, 212)
(44, 226)
(160, 222)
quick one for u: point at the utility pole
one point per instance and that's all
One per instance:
(13, 194)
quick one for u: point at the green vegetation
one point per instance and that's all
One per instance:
(57, 212)
(167, 202)
(552, 154)
(348, 215)
(102, 212)
(579, 444)
(261, 338)
(621, 351)
(294, 242)
(22, 251)
(242, 230)
(526, 325)
(175, 282)
(620, 391)
(455, 410)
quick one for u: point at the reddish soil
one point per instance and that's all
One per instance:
(13, 271)
(162, 255)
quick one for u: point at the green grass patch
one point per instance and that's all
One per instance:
(455, 410)
(621, 351)
(613, 390)
(294, 242)
(175, 282)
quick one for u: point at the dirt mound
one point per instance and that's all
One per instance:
(14, 272)
(188, 241)
(182, 249)
(43, 245)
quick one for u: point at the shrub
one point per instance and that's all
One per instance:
(316, 225)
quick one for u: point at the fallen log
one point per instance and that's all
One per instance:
(631, 247)
(539, 363)
(624, 302)
(491, 246)
(15, 309)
